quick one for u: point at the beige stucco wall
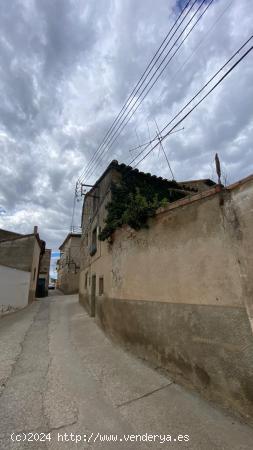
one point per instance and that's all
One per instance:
(185, 256)
(68, 274)
(72, 249)
(179, 293)
(68, 282)
(242, 231)
(99, 264)
(196, 254)
(14, 288)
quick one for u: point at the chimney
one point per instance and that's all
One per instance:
(35, 230)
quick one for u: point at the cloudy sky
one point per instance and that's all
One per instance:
(66, 68)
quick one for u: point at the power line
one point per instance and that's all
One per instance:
(200, 90)
(201, 100)
(145, 74)
(146, 145)
(199, 44)
(122, 125)
(150, 141)
(162, 147)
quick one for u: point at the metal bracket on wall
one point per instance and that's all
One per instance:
(83, 191)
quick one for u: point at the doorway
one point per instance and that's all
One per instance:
(41, 288)
(93, 296)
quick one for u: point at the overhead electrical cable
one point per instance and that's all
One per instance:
(147, 144)
(125, 120)
(122, 125)
(185, 62)
(199, 102)
(145, 74)
(200, 90)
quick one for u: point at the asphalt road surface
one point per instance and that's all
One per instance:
(64, 385)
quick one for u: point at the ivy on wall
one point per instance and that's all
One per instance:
(136, 198)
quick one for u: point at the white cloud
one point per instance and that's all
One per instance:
(66, 68)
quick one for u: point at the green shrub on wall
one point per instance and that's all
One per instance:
(135, 199)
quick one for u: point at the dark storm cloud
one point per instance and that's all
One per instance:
(66, 67)
(68, 33)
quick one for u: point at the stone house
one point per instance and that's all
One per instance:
(179, 292)
(19, 268)
(68, 265)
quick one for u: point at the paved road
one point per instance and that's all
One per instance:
(59, 375)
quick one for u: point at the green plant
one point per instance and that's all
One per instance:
(135, 199)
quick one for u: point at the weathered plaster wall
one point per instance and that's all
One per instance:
(100, 264)
(17, 253)
(179, 293)
(68, 282)
(69, 266)
(185, 256)
(242, 232)
(14, 288)
(208, 348)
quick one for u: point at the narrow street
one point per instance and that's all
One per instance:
(60, 374)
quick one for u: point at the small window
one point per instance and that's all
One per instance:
(101, 286)
(86, 280)
(34, 273)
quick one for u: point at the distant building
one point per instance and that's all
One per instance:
(68, 266)
(197, 185)
(43, 279)
(20, 257)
